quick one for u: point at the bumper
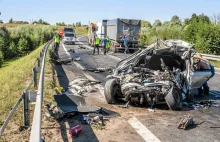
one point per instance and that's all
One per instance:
(69, 42)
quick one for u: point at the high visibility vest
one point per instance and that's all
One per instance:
(97, 41)
(57, 39)
(108, 43)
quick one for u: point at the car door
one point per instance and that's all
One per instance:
(199, 77)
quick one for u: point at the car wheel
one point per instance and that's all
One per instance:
(174, 99)
(112, 88)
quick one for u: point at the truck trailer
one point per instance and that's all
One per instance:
(98, 29)
(118, 28)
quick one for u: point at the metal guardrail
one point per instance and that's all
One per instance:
(211, 57)
(28, 97)
(36, 124)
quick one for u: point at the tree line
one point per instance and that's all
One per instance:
(200, 30)
(19, 41)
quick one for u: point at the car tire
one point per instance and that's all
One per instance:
(174, 99)
(110, 91)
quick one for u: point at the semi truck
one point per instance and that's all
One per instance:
(116, 29)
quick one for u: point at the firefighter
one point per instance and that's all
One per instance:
(108, 44)
(97, 42)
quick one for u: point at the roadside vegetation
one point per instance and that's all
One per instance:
(200, 30)
(15, 75)
(19, 41)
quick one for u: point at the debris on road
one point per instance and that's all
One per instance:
(82, 47)
(80, 86)
(98, 70)
(75, 131)
(205, 104)
(185, 122)
(214, 126)
(76, 59)
(151, 110)
(93, 119)
(71, 50)
(53, 112)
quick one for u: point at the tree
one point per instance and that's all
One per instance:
(40, 21)
(10, 21)
(166, 23)
(203, 18)
(175, 20)
(1, 59)
(23, 46)
(73, 25)
(157, 23)
(80, 24)
(186, 21)
(145, 24)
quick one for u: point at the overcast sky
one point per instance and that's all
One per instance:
(71, 11)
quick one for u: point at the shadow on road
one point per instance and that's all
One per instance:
(66, 123)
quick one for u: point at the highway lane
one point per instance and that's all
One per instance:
(162, 123)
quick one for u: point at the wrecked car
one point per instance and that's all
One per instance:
(164, 72)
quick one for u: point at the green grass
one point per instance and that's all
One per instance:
(216, 63)
(15, 75)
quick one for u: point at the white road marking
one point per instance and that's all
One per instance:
(100, 88)
(142, 130)
(217, 72)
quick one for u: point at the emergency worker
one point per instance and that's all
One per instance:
(97, 42)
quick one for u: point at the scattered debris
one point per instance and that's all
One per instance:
(93, 119)
(75, 131)
(98, 70)
(76, 59)
(71, 50)
(80, 86)
(205, 104)
(185, 122)
(82, 47)
(214, 126)
(151, 110)
(53, 112)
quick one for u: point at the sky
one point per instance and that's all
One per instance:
(72, 11)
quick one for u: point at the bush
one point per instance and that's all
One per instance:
(197, 30)
(1, 59)
(19, 41)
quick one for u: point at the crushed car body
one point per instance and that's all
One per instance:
(163, 72)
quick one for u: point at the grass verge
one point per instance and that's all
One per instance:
(216, 63)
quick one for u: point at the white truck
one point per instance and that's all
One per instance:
(116, 29)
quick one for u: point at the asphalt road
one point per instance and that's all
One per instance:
(160, 125)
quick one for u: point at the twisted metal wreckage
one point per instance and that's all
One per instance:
(165, 71)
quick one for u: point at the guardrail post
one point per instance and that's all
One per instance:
(38, 62)
(35, 77)
(26, 109)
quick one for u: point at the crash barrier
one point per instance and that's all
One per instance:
(35, 96)
(210, 57)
